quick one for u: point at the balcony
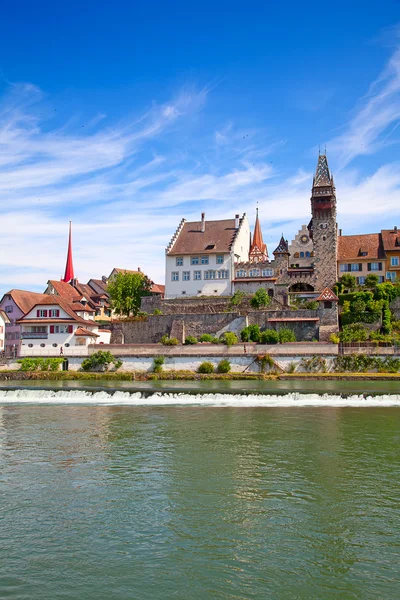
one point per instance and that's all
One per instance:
(34, 335)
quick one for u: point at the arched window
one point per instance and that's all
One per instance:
(301, 254)
(307, 254)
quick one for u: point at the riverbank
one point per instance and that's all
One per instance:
(189, 376)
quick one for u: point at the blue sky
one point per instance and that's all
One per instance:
(126, 116)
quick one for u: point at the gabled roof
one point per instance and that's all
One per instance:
(283, 247)
(117, 270)
(327, 296)
(65, 290)
(391, 239)
(24, 299)
(85, 332)
(67, 307)
(218, 236)
(322, 174)
(354, 247)
(157, 288)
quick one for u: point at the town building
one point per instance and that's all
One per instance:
(16, 303)
(361, 255)
(4, 320)
(201, 256)
(391, 245)
(54, 326)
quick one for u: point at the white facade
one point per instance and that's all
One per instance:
(207, 273)
(51, 331)
(3, 321)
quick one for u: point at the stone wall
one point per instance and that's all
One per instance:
(207, 305)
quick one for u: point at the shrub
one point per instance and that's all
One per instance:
(286, 335)
(260, 299)
(371, 281)
(269, 336)
(244, 335)
(167, 341)
(229, 338)
(158, 364)
(206, 337)
(215, 340)
(314, 364)
(100, 361)
(311, 305)
(206, 367)
(237, 298)
(191, 340)
(334, 338)
(291, 368)
(157, 311)
(386, 322)
(265, 360)
(355, 332)
(40, 364)
(224, 366)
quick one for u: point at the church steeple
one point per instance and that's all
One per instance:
(258, 250)
(69, 267)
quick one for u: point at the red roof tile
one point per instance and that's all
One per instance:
(24, 299)
(65, 290)
(391, 240)
(351, 247)
(327, 296)
(218, 236)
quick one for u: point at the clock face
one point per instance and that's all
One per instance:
(304, 239)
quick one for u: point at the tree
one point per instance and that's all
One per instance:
(260, 299)
(126, 291)
(371, 281)
(348, 282)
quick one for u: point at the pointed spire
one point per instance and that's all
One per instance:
(283, 247)
(69, 267)
(322, 174)
(258, 250)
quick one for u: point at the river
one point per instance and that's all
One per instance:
(106, 498)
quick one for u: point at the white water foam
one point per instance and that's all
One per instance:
(118, 398)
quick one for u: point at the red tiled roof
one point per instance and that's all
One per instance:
(85, 332)
(217, 237)
(258, 242)
(67, 307)
(24, 299)
(157, 288)
(351, 247)
(391, 240)
(65, 290)
(327, 295)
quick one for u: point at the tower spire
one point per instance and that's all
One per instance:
(258, 250)
(69, 267)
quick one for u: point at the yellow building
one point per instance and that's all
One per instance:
(391, 245)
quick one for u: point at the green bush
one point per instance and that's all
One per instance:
(269, 336)
(237, 298)
(315, 364)
(387, 322)
(264, 361)
(291, 368)
(286, 335)
(158, 363)
(353, 333)
(311, 305)
(334, 338)
(157, 311)
(206, 367)
(251, 333)
(167, 341)
(100, 361)
(224, 366)
(206, 337)
(191, 340)
(362, 363)
(40, 364)
(229, 338)
(260, 299)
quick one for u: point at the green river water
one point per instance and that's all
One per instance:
(197, 502)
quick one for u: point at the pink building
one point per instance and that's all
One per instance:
(16, 303)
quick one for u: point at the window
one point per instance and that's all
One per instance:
(9, 308)
(194, 260)
(197, 275)
(394, 261)
(356, 267)
(210, 275)
(375, 266)
(175, 276)
(327, 304)
(254, 272)
(186, 276)
(179, 261)
(43, 345)
(55, 345)
(267, 273)
(241, 273)
(361, 280)
(301, 254)
(66, 345)
(223, 274)
(54, 312)
(42, 313)
(381, 279)
(308, 254)
(351, 267)
(30, 345)
(204, 260)
(390, 276)
(220, 259)
(39, 329)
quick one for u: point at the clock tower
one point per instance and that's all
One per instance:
(323, 226)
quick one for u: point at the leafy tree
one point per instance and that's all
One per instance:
(348, 282)
(126, 291)
(371, 281)
(260, 299)
(100, 361)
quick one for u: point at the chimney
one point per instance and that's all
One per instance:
(139, 271)
(236, 221)
(340, 232)
(395, 228)
(203, 222)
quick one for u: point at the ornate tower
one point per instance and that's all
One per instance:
(281, 254)
(323, 226)
(258, 250)
(69, 267)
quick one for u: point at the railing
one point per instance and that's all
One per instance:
(367, 348)
(34, 335)
(75, 351)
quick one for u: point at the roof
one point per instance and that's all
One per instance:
(117, 270)
(391, 239)
(218, 236)
(83, 331)
(65, 290)
(157, 288)
(24, 299)
(322, 174)
(99, 282)
(353, 246)
(67, 307)
(283, 247)
(258, 242)
(4, 316)
(327, 296)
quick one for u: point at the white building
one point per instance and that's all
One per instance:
(55, 326)
(4, 320)
(201, 257)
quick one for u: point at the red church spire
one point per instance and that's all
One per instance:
(258, 250)
(69, 267)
